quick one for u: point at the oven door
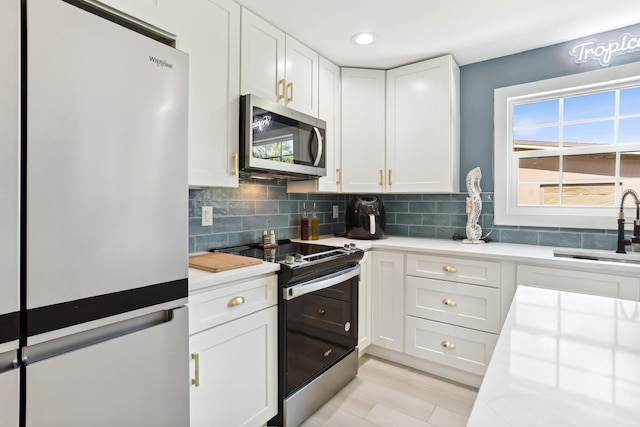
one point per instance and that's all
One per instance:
(321, 321)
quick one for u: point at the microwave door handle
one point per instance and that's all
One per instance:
(319, 155)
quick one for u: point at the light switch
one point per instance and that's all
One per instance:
(336, 212)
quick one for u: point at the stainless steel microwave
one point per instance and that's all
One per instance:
(278, 142)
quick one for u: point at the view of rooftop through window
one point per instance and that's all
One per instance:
(578, 150)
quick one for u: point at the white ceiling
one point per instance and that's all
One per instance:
(411, 30)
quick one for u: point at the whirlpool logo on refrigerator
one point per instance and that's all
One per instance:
(160, 62)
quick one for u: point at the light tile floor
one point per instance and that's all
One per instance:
(387, 394)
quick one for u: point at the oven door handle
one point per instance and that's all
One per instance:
(320, 283)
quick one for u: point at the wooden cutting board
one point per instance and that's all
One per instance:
(218, 261)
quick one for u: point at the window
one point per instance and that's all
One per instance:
(566, 148)
(279, 149)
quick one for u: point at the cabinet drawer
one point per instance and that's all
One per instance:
(585, 282)
(226, 303)
(476, 307)
(449, 345)
(476, 272)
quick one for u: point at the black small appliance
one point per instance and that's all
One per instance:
(365, 218)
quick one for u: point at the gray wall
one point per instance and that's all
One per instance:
(478, 81)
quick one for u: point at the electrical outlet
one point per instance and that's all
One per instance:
(207, 215)
(336, 212)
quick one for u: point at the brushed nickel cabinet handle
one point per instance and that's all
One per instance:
(450, 302)
(233, 302)
(449, 269)
(390, 183)
(448, 345)
(321, 311)
(339, 175)
(290, 92)
(381, 177)
(235, 170)
(281, 84)
(196, 381)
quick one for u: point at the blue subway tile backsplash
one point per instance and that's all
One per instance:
(241, 214)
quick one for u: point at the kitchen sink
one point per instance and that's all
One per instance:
(596, 255)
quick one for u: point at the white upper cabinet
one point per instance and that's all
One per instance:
(209, 31)
(158, 15)
(277, 67)
(363, 130)
(329, 111)
(301, 89)
(423, 121)
(400, 128)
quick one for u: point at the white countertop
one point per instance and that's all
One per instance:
(199, 279)
(492, 251)
(563, 359)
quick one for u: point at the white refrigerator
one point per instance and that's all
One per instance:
(9, 211)
(103, 246)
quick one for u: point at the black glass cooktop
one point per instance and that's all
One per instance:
(308, 251)
(294, 254)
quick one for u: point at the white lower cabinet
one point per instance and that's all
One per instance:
(450, 345)
(583, 281)
(387, 300)
(233, 345)
(453, 310)
(459, 304)
(364, 303)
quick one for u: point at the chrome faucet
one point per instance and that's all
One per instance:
(622, 242)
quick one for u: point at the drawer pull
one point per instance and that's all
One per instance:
(233, 302)
(196, 381)
(449, 269)
(321, 311)
(448, 345)
(450, 302)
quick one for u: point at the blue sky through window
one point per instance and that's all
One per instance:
(596, 110)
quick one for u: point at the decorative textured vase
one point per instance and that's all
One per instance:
(474, 207)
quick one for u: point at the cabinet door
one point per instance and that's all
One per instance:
(263, 53)
(160, 14)
(209, 31)
(454, 346)
(422, 127)
(387, 299)
(329, 111)
(363, 124)
(471, 306)
(301, 75)
(364, 303)
(234, 372)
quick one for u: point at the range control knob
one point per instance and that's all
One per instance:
(346, 246)
(289, 259)
(353, 246)
(299, 258)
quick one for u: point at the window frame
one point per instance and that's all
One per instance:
(506, 209)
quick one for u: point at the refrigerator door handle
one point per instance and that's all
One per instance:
(58, 346)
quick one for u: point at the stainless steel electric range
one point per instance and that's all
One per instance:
(317, 323)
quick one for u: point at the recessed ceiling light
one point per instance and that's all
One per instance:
(363, 38)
